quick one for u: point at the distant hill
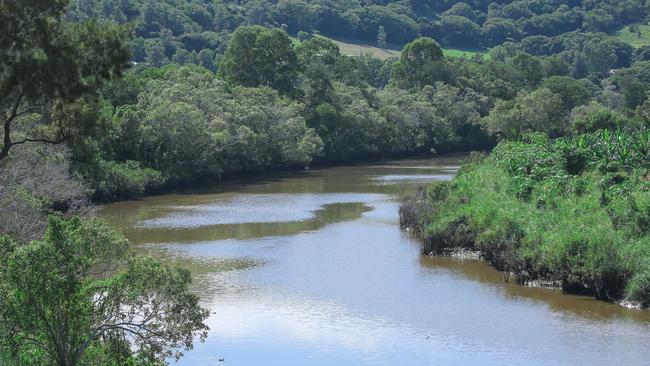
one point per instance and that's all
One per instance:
(177, 31)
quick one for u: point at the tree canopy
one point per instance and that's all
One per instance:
(49, 69)
(257, 56)
(78, 289)
(421, 63)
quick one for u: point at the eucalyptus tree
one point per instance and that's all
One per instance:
(50, 70)
(257, 56)
(421, 63)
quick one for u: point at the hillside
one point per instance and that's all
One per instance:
(177, 31)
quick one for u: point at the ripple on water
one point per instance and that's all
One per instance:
(419, 178)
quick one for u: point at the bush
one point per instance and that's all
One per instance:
(639, 288)
(128, 180)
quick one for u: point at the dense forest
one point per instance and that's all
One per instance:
(339, 108)
(314, 104)
(113, 99)
(175, 29)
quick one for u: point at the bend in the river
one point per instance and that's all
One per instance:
(311, 268)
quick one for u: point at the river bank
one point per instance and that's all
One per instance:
(571, 211)
(142, 187)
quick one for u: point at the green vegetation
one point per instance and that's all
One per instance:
(71, 291)
(78, 297)
(218, 88)
(573, 210)
(638, 35)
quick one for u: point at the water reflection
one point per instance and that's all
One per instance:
(164, 231)
(482, 272)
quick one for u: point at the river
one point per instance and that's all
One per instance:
(311, 268)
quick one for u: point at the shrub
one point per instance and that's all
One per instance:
(639, 287)
(112, 180)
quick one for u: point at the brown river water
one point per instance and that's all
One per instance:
(311, 268)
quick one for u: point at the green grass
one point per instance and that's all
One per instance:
(573, 211)
(356, 48)
(451, 52)
(642, 38)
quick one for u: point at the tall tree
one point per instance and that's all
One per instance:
(259, 56)
(381, 37)
(48, 70)
(421, 63)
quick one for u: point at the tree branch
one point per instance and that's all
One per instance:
(7, 127)
(53, 142)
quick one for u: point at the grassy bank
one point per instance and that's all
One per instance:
(574, 211)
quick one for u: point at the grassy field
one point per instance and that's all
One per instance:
(354, 48)
(466, 53)
(636, 39)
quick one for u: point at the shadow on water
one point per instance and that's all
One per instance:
(556, 299)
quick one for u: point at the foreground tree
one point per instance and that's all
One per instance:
(48, 67)
(76, 294)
